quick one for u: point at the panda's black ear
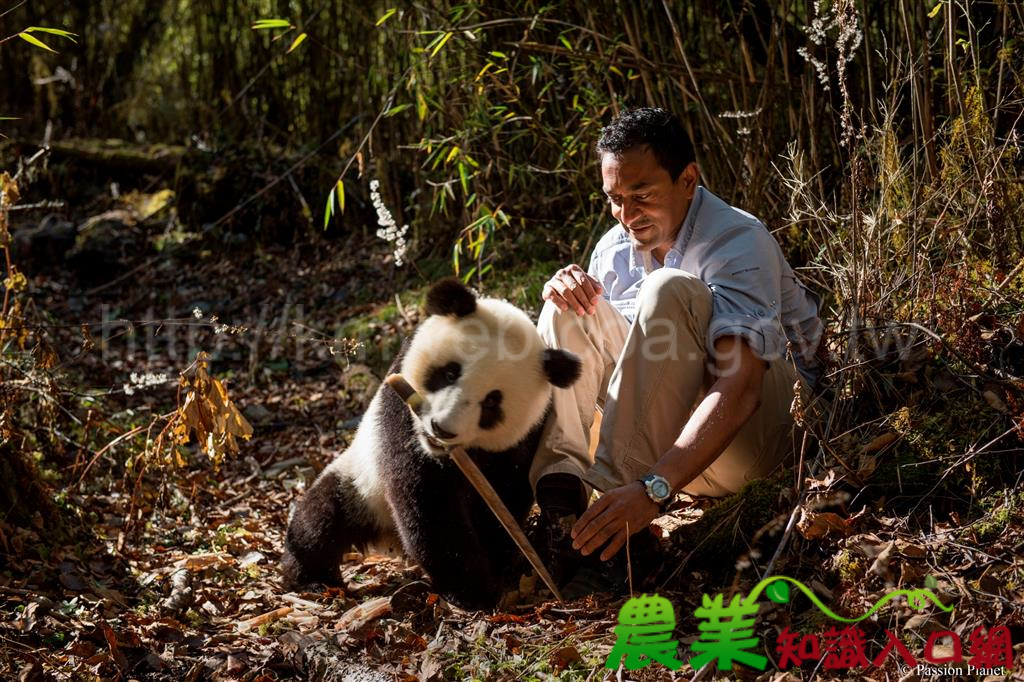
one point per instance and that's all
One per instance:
(562, 367)
(450, 297)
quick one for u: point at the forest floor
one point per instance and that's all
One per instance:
(172, 573)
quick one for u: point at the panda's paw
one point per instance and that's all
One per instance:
(296, 575)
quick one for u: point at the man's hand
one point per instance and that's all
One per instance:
(572, 287)
(606, 520)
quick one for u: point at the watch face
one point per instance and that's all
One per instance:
(660, 488)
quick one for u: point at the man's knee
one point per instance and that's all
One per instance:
(668, 292)
(558, 327)
(551, 321)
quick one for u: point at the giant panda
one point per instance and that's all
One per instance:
(485, 378)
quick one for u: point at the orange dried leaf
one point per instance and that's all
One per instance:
(880, 442)
(815, 525)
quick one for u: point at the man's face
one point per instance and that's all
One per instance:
(645, 200)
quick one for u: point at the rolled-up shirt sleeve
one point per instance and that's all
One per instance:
(601, 268)
(746, 291)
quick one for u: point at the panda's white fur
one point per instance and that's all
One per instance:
(395, 477)
(358, 464)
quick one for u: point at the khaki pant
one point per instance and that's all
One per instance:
(647, 377)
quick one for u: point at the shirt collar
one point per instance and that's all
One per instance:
(674, 257)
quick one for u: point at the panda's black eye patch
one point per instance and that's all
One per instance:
(491, 413)
(443, 376)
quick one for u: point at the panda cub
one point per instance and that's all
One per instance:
(486, 379)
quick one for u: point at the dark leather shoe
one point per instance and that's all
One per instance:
(596, 576)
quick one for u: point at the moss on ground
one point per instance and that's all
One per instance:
(722, 534)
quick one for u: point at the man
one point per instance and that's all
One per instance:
(682, 321)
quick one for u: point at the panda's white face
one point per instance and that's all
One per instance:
(481, 377)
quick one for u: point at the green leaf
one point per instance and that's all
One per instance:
(397, 109)
(329, 208)
(463, 179)
(935, 10)
(298, 41)
(9, 118)
(35, 41)
(778, 592)
(341, 194)
(421, 106)
(262, 24)
(387, 15)
(565, 41)
(55, 31)
(440, 44)
(930, 582)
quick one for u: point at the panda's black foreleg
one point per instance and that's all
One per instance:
(329, 519)
(437, 522)
(456, 559)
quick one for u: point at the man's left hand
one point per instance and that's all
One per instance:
(607, 519)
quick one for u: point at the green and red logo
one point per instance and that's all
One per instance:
(646, 623)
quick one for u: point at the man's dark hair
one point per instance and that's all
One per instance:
(651, 126)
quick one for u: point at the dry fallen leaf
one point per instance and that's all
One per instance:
(814, 525)
(879, 442)
(910, 550)
(995, 402)
(882, 564)
(562, 658)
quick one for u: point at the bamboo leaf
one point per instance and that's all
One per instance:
(298, 41)
(329, 208)
(484, 70)
(565, 41)
(463, 179)
(35, 41)
(441, 43)
(55, 31)
(397, 109)
(452, 154)
(341, 194)
(8, 118)
(387, 15)
(263, 24)
(935, 10)
(421, 106)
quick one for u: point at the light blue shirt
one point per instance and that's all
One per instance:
(754, 292)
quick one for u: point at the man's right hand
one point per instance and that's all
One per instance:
(572, 287)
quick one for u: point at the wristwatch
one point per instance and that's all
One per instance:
(658, 489)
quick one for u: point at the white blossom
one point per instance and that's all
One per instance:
(139, 380)
(389, 230)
